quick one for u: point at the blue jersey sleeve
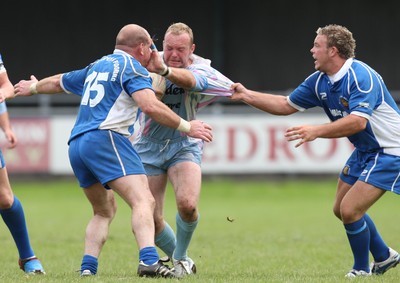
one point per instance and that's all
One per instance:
(365, 90)
(74, 82)
(305, 95)
(3, 107)
(135, 78)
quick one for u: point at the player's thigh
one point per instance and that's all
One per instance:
(186, 180)
(158, 185)
(134, 189)
(101, 199)
(358, 200)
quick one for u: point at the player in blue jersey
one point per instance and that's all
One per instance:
(10, 207)
(360, 107)
(101, 154)
(170, 154)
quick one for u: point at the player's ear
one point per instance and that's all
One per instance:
(333, 50)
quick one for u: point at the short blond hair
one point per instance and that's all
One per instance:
(341, 38)
(179, 28)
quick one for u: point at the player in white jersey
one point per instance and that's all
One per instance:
(170, 154)
(360, 107)
(11, 209)
(101, 155)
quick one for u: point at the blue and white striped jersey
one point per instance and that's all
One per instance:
(356, 89)
(106, 87)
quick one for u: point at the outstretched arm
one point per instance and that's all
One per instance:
(49, 85)
(273, 104)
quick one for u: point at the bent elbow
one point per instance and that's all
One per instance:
(148, 109)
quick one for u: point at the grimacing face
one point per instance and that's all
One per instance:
(177, 50)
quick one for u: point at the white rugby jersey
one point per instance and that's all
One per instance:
(210, 85)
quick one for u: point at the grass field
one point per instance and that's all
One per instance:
(283, 231)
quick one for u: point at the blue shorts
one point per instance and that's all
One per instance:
(103, 156)
(378, 169)
(158, 156)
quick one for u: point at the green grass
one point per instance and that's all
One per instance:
(283, 231)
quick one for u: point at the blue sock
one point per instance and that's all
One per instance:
(89, 263)
(148, 255)
(378, 248)
(359, 237)
(184, 233)
(14, 218)
(166, 240)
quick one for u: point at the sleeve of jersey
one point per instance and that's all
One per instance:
(304, 96)
(74, 82)
(3, 107)
(365, 93)
(209, 81)
(135, 78)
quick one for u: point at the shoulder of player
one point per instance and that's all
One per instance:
(362, 74)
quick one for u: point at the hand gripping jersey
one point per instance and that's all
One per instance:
(210, 85)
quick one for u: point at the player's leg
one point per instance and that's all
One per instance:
(353, 207)
(186, 181)
(341, 191)
(382, 173)
(104, 209)
(134, 189)
(12, 212)
(164, 235)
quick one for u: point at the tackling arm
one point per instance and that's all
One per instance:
(49, 85)
(273, 104)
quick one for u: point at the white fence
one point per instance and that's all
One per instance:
(243, 144)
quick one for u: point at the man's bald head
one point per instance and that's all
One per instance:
(130, 36)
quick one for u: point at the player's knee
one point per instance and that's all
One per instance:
(336, 212)
(6, 201)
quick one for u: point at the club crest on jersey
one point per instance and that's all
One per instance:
(346, 170)
(344, 101)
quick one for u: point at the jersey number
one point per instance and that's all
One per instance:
(92, 84)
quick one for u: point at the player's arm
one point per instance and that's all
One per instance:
(273, 104)
(179, 76)
(343, 127)
(6, 87)
(160, 113)
(6, 127)
(49, 85)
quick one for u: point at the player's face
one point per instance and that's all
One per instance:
(320, 53)
(177, 50)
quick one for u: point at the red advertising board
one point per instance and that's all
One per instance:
(31, 154)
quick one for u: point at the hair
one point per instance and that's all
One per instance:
(179, 28)
(341, 38)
